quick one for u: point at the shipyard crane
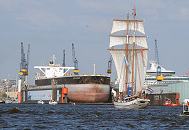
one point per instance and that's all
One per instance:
(23, 73)
(28, 54)
(159, 76)
(75, 61)
(109, 70)
(24, 62)
(64, 58)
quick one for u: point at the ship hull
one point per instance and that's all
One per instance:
(88, 93)
(82, 89)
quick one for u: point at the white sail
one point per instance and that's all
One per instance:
(141, 66)
(132, 72)
(122, 63)
(133, 25)
(122, 40)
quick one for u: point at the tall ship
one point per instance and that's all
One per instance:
(129, 49)
(81, 88)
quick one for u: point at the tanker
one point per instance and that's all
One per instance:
(81, 88)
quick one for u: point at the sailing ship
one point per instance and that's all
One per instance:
(128, 47)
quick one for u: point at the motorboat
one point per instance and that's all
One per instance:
(40, 102)
(52, 102)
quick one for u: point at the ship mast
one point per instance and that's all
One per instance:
(133, 79)
(126, 52)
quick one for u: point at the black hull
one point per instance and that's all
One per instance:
(75, 80)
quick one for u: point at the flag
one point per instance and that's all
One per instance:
(134, 9)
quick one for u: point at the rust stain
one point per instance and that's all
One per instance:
(88, 98)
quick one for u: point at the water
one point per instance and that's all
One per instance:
(99, 117)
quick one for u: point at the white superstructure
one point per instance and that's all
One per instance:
(169, 77)
(52, 71)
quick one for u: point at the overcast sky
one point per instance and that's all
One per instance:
(50, 26)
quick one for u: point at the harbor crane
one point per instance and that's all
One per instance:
(75, 61)
(159, 76)
(23, 73)
(24, 62)
(109, 70)
(64, 58)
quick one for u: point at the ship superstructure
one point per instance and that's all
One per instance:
(169, 77)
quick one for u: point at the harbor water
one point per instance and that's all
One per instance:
(99, 117)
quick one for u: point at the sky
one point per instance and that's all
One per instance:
(50, 26)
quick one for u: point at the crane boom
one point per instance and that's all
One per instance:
(28, 54)
(24, 62)
(23, 59)
(64, 58)
(75, 61)
(156, 53)
(73, 52)
(109, 70)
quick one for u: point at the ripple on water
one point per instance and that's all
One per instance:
(34, 116)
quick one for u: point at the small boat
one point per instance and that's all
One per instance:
(185, 110)
(8, 101)
(169, 103)
(132, 103)
(2, 101)
(52, 102)
(40, 102)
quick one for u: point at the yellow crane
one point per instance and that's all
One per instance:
(75, 61)
(24, 62)
(159, 76)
